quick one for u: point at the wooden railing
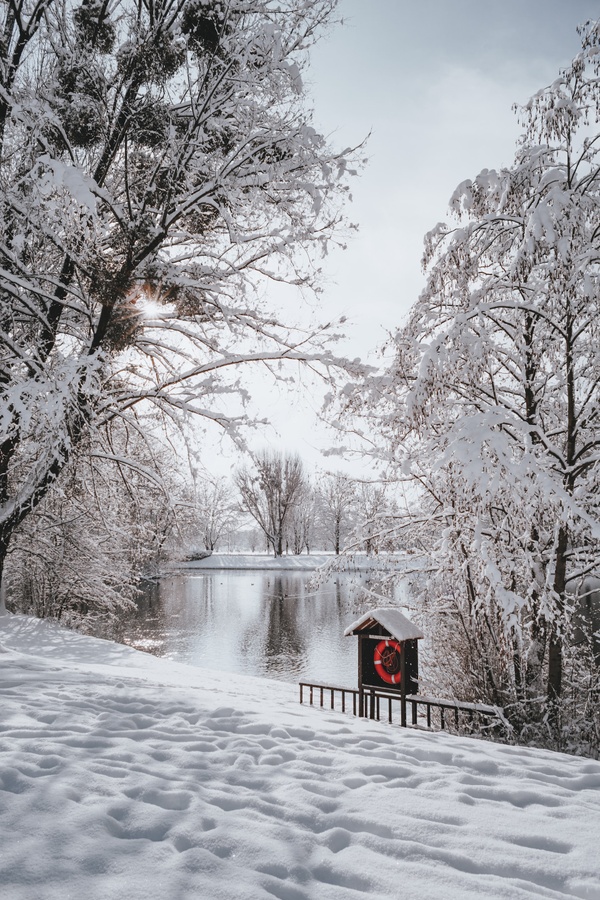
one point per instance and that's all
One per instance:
(320, 689)
(438, 713)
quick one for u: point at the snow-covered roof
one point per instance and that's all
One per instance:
(392, 620)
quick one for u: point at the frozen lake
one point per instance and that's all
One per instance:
(265, 623)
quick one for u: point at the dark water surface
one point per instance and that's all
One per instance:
(270, 624)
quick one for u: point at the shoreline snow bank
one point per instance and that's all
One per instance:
(307, 563)
(126, 775)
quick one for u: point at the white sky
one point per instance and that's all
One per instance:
(433, 83)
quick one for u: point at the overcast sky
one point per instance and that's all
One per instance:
(433, 83)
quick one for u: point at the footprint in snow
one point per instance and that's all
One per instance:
(174, 800)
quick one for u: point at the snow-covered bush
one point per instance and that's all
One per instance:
(105, 525)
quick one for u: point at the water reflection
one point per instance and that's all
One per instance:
(253, 623)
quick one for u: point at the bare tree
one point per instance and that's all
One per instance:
(269, 491)
(337, 497)
(215, 510)
(301, 525)
(373, 510)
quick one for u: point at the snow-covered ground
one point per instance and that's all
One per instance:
(255, 561)
(127, 776)
(305, 563)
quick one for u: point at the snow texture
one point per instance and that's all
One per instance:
(122, 775)
(392, 620)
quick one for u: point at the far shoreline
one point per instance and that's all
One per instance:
(309, 562)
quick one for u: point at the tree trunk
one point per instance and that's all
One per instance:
(554, 667)
(555, 650)
(555, 643)
(3, 553)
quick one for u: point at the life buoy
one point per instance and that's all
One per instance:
(388, 660)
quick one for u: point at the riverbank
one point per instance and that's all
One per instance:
(303, 563)
(123, 775)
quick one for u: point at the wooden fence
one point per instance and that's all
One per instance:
(425, 712)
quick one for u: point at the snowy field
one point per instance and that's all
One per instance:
(127, 776)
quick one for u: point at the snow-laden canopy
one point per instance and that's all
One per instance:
(391, 619)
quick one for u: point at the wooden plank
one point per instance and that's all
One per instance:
(456, 704)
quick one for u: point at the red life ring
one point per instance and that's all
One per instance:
(388, 659)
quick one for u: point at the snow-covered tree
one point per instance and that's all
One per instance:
(300, 529)
(337, 496)
(491, 406)
(215, 510)
(372, 531)
(157, 164)
(270, 490)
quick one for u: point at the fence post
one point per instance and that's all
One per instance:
(403, 688)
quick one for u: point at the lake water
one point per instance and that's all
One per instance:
(269, 624)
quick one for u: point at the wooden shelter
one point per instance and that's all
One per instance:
(388, 673)
(388, 654)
